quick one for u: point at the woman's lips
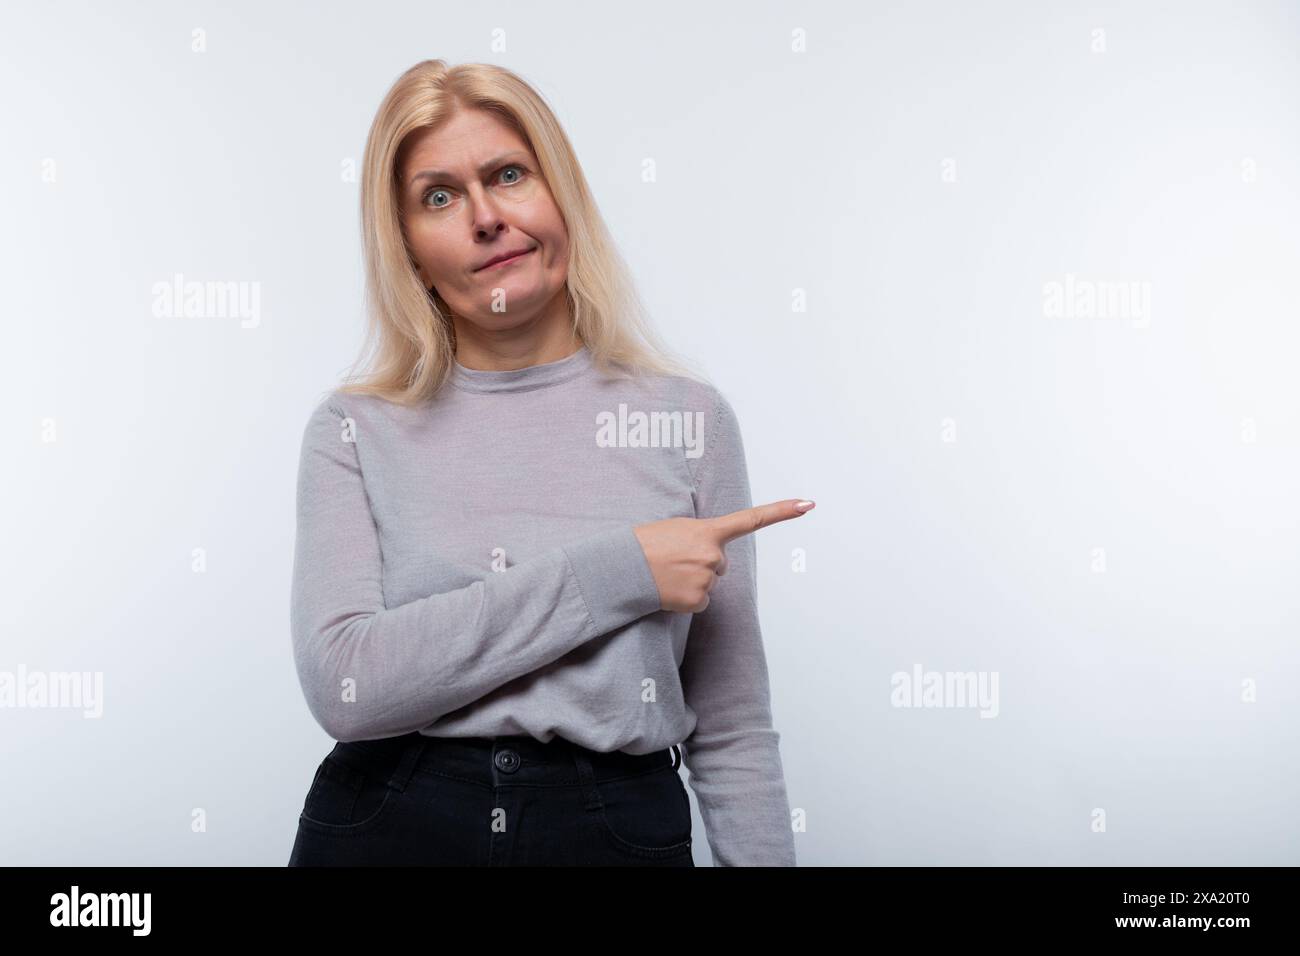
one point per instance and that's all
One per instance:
(506, 262)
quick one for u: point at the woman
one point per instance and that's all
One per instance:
(511, 601)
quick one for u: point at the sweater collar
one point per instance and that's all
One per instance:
(521, 379)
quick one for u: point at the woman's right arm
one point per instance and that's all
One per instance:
(369, 671)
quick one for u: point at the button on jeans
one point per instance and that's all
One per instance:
(493, 801)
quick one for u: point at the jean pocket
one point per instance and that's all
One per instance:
(647, 815)
(346, 799)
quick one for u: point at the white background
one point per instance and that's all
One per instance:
(1171, 158)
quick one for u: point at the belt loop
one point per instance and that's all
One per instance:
(410, 757)
(586, 776)
(677, 757)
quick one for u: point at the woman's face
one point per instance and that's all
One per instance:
(472, 191)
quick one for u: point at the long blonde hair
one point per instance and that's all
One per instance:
(410, 342)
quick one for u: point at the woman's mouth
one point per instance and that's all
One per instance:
(505, 262)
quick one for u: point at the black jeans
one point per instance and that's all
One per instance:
(493, 801)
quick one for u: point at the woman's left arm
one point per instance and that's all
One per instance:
(732, 755)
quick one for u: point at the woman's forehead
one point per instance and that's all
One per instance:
(462, 143)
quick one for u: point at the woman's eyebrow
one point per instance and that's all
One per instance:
(491, 164)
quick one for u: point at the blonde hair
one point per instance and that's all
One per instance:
(410, 348)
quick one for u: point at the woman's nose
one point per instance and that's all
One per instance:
(487, 217)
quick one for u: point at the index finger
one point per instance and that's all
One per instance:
(748, 520)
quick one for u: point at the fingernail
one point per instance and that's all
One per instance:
(802, 506)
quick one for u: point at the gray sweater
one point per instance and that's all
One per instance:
(468, 568)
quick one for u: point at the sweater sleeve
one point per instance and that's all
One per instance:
(369, 671)
(732, 755)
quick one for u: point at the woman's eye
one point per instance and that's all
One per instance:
(518, 172)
